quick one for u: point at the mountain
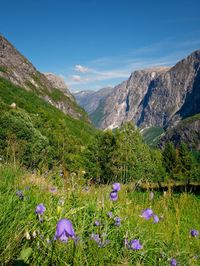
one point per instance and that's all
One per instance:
(157, 97)
(41, 125)
(124, 102)
(187, 130)
(17, 69)
(59, 83)
(90, 100)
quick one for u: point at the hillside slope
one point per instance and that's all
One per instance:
(17, 69)
(37, 134)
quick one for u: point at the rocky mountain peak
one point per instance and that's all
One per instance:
(17, 69)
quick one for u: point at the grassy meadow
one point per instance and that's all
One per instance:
(28, 238)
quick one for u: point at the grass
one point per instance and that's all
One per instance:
(83, 205)
(151, 135)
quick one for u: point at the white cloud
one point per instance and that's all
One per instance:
(76, 78)
(82, 69)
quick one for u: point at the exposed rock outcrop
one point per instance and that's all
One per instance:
(90, 100)
(17, 69)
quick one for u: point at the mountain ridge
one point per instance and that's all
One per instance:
(21, 72)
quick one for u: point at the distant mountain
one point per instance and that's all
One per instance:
(90, 100)
(158, 97)
(17, 69)
(124, 102)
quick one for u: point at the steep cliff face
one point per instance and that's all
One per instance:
(124, 103)
(158, 97)
(17, 69)
(90, 100)
(173, 95)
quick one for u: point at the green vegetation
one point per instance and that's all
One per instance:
(151, 135)
(97, 115)
(122, 155)
(29, 239)
(36, 129)
(3, 69)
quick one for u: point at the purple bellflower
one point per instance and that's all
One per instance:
(173, 262)
(40, 209)
(113, 195)
(97, 223)
(155, 219)
(194, 233)
(116, 187)
(64, 230)
(147, 213)
(117, 221)
(20, 194)
(110, 214)
(135, 244)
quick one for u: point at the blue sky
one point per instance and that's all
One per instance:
(98, 43)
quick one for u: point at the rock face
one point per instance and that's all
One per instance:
(17, 69)
(90, 100)
(59, 83)
(124, 103)
(187, 130)
(173, 95)
(158, 97)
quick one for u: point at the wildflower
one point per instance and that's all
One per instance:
(135, 244)
(27, 235)
(34, 234)
(96, 238)
(110, 214)
(116, 187)
(97, 223)
(20, 194)
(61, 202)
(147, 213)
(53, 189)
(151, 195)
(155, 218)
(173, 262)
(40, 209)
(117, 221)
(64, 230)
(194, 233)
(100, 242)
(113, 195)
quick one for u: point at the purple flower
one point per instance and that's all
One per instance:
(147, 213)
(64, 230)
(97, 223)
(194, 233)
(117, 221)
(173, 262)
(20, 194)
(113, 195)
(110, 214)
(101, 242)
(53, 189)
(96, 238)
(116, 187)
(155, 218)
(40, 209)
(135, 244)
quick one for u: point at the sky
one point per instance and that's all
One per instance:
(98, 43)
